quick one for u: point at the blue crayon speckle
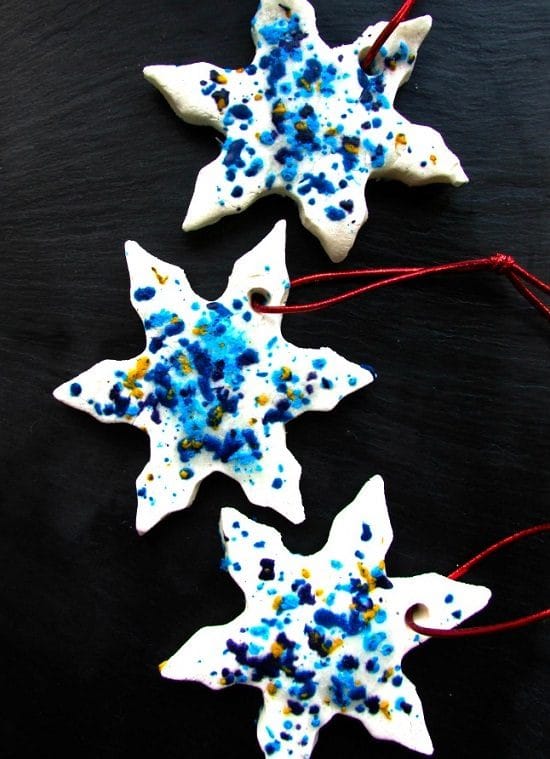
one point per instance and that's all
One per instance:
(144, 293)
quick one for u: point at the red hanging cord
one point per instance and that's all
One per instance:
(400, 16)
(499, 262)
(460, 572)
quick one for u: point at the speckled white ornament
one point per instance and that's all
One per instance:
(304, 120)
(214, 385)
(323, 634)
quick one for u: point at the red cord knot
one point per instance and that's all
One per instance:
(503, 262)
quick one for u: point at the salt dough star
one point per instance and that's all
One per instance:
(214, 385)
(304, 120)
(323, 634)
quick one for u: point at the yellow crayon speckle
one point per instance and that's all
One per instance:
(135, 374)
(185, 364)
(330, 132)
(276, 649)
(184, 474)
(150, 477)
(300, 126)
(187, 443)
(261, 400)
(216, 416)
(350, 147)
(306, 573)
(279, 108)
(277, 601)
(162, 665)
(258, 96)
(286, 373)
(271, 688)
(385, 709)
(433, 159)
(252, 421)
(336, 643)
(400, 139)
(161, 279)
(371, 613)
(200, 329)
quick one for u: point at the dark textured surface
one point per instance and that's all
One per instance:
(457, 422)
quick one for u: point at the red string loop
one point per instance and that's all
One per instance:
(398, 17)
(523, 281)
(460, 572)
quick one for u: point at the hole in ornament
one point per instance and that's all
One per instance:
(259, 297)
(417, 615)
(370, 69)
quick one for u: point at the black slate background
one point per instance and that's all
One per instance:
(457, 422)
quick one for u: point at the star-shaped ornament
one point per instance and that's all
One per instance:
(304, 120)
(215, 384)
(324, 634)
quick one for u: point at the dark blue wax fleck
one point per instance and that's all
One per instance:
(335, 214)
(144, 293)
(277, 483)
(248, 357)
(348, 662)
(267, 569)
(241, 111)
(366, 534)
(75, 389)
(233, 153)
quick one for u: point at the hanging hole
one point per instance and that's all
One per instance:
(259, 297)
(418, 613)
(368, 66)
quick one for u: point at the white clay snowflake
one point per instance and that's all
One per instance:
(304, 120)
(324, 634)
(215, 384)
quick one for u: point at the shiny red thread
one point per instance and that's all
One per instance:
(400, 16)
(523, 281)
(460, 572)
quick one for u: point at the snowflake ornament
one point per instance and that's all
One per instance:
(214, 385)
(324, 634)
(304, 120)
